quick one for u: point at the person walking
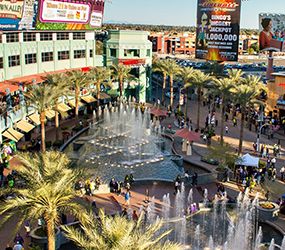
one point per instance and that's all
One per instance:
(227, 129)
(127, 198)
(282, 173)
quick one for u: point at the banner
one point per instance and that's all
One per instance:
(217, 32)
(18, 14)
(278, 22)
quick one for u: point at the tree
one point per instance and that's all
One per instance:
(60, 81)
(78, 80)
(121, 73)
(186, 74)
(48, 192)
(223, 88)
(246, 95)
(42, 97)
(159, 66)
(235, 75)
(200, 81)
(101, 76)
(118, 233)
(172, 71)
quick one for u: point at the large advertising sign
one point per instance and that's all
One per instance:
(52, 14)
(217, 33)
(18, 14)
(278, 21)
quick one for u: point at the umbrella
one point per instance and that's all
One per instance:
(186, 134)
(158, 112)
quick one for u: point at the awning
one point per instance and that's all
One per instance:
(104, 96)
(24, 126)
(62, 107)
(50, 114)
(35, 118)
(88, 98)
(158, 112)
(12, 134)
(248, 160)
(72, 103)
(11, 86)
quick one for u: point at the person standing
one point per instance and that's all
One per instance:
(282, 173)
(127, 198)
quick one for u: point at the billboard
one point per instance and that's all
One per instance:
(70, 14)
(278, 21)
(217, 32)
(18, 14)
(51, 14)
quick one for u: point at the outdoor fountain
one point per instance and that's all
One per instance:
(128, 142)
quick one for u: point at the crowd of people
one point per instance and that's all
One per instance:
(89, 186)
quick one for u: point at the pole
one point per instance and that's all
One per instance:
(258, 136)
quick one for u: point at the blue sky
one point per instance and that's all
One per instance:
(181, 12)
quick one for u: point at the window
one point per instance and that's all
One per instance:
(131, 52)
(91, 53)
(148, 52)
(0, 38)
(47, 36)
(62, 36)
(63, 55)
(29, 37)
(79, 36)
(14, 60)
(113, 52)
(30, 58)
(79, 53)
(12, 37)
(47, 56)
(1, 63)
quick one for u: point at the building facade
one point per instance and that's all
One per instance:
(132, 48)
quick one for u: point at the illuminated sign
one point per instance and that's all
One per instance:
(217, 33)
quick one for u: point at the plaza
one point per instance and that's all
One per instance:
(108, 144)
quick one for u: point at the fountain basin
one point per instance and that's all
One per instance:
(267, 211)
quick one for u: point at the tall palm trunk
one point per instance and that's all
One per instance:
(51, 235)
(98, 99)
(185, 107)
(241, 132)
(198, 109)
(121, 86)
(171, 90)
(43, 133)
(163, 89)
(222, 124)
(56, 125)
(77, 92)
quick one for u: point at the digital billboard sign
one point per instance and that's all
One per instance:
(217, 32)
(51, 14)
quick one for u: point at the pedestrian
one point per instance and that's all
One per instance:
(27, 228)
(18, 246)
(19, 238)
(127, 198)
(135, 216)
(194, 179)
(274, 173)
(176, 186)
(273, 162)
(282, 173)
(234, 122)
(267, 195)
(227, 129)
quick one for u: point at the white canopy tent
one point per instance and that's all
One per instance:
(248, 160)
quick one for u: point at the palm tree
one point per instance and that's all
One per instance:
(172, 71)
(200, 81)
(100, 75)
(60, 81)
(121, 73)
(159, 66)
(118, 233)
(42, 97)
(246, 96)
(78, 80)
(235, 75)
(223, 88)
(186, 74)
(48, 192)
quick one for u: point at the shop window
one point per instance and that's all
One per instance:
(62, 36)
(12, 37)
(29, 37)
(46, 36)
(47, 56)
(148, 52)
(79, 36)
(131, 52)
(14, 60)
(63, 55)
(91, 53)
(30, 58)
(79, 54)
(1, 63)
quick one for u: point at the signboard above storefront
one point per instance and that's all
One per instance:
(132, 62)
(217, 33)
